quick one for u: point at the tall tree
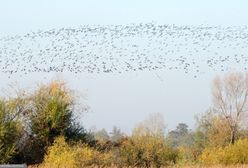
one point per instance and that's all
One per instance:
(180, 136)
(49, 112)
(230, 98)
(10, 132)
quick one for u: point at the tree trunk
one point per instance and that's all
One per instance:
(233, 136)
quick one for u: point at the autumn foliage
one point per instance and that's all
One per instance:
(41, 127)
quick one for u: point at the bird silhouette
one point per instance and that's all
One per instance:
(98, 49)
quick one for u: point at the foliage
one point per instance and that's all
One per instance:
(10, 132)
(218, 135)
(47, 113)
(61, 154)
(146, 151)
(42, 123)
(180, 136)
(116, 134)
(214, 129)
(230, 95)
(51, 112)
(229, 155)
(101, 135)
(185, 155)
(198, 145)
(189, 144)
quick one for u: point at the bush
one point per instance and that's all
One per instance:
(229, 155)
(146, 151)
(186, 155)
(61, 154)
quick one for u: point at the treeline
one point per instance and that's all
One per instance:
(40, 128)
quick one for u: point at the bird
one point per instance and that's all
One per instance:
(117, 49)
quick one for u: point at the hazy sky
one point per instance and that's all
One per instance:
(126, 100)
(26, 15)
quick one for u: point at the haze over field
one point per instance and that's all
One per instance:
(130, 58)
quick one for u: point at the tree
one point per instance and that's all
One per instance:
(152, 126)
(180, 136)
(10, 132)
(182, 129)
(218, 135)
(101, 135)
(49, 113)
(230, 100)
(116, 134)
(214, 129)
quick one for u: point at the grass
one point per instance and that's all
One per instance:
(196, 166)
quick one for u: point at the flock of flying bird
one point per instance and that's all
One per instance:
(123, 48)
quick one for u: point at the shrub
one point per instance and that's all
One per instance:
(61, 154)
(229, 155)
(186, 155)
(146, 151)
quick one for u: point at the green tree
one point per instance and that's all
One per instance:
(180, 136)
(50, 113)
(10, 132)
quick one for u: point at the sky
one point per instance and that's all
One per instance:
(126, 100)
(29, 15)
